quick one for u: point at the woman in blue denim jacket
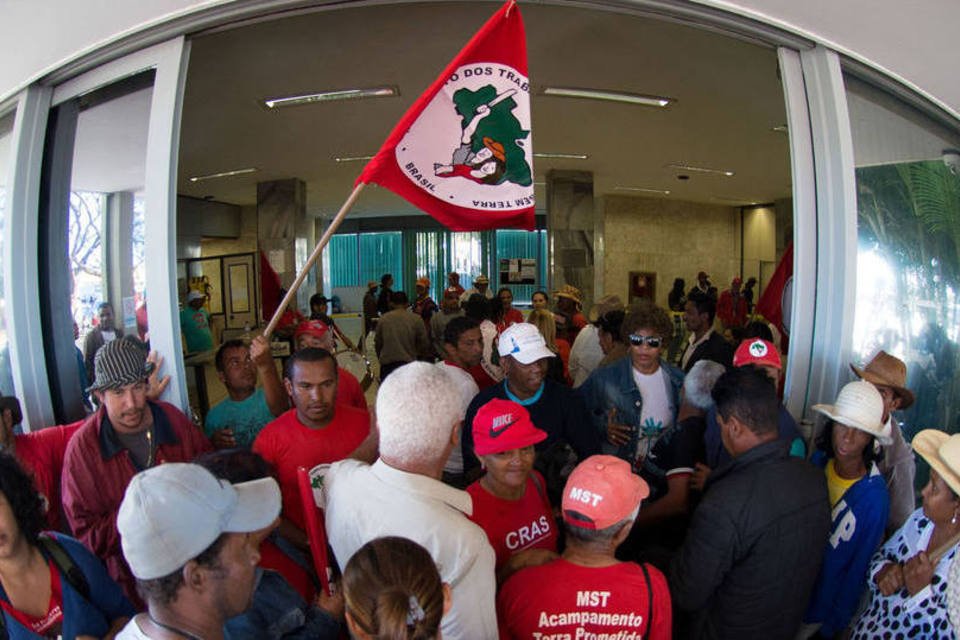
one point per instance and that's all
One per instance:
(633, 400)
(49, 603)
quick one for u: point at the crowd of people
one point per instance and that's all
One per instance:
(551, 476)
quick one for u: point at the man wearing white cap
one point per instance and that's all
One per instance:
(186, 536)
(553, 407)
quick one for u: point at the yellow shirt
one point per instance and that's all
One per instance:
(836, 486)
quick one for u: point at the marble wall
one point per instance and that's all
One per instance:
(670, 238)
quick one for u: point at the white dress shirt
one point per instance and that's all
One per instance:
(369, 501)
(585, 354)
(468, 389)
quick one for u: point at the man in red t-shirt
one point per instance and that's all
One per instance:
(587, 592)
(319, 335)
(317, 430)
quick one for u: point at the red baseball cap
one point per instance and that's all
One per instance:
(759, 352)
(601, 492)
(316, 328)
(502, 425)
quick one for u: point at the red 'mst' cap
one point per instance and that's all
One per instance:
(601, 492)
(502, 425)
(316, 328)
(757, 351)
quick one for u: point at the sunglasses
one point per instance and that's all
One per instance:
(653, 342)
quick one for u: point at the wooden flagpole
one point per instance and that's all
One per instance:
(312, 259)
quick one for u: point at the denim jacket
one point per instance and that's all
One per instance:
(278, 611)
(613, 387)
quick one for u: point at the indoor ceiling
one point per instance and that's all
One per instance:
(728, 101)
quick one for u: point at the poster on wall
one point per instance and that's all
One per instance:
(643, 284)
(518, 271)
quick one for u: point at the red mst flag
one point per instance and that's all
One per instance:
(462, 153)
(774, 304)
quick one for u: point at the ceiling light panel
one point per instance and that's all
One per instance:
(684, 166)
(561, 156)
(610, 96)
(223, 174)
(332, 96)
(662, 192)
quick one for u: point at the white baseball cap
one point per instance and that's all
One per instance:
(171, 513)
(523, 342)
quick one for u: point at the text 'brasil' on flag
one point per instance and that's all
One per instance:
(463, 153)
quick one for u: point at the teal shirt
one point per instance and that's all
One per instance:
(196, 329)
(246, 418)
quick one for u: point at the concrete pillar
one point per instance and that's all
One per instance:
(571, 225)
(281, 211)
(118, 254)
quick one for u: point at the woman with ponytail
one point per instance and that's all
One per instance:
(393, 591)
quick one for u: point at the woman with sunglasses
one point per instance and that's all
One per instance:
(633, 400)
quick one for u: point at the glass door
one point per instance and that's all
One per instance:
(104, 216)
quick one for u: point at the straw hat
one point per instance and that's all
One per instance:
(603, 305)
(570, 291)
(942, 453)
(858, 405)
(889, 371)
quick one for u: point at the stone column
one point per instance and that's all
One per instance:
(572, 233)
(281, 211)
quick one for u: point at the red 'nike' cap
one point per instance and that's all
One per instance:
(502, 425)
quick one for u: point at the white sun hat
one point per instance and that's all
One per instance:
(858, 405)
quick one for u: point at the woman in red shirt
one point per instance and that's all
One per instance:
(508, 315)
(510, 500)
(50, 585)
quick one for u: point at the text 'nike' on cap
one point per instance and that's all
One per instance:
(502, 425)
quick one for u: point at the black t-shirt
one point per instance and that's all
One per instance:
(677, 450)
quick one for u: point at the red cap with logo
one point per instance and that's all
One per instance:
(757, 351)
(316, 328)
(601, 492)
(502, 425)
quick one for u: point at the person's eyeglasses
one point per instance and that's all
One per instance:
(653, 342)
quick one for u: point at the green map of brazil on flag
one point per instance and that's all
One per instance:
(463, 153)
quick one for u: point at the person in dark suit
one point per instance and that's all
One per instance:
(703, 343)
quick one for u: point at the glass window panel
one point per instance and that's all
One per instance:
(342, 252)
(908, 255)
(516, 244)
(466, 256)
(6, 136)
(381, 253)
(102, 217)
(430, 261)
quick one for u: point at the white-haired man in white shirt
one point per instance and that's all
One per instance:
(401, 495)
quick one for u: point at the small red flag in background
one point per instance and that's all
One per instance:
(774, 304)
(271, 292)
(462, 153)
